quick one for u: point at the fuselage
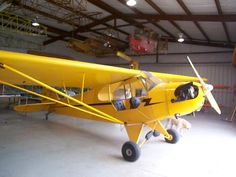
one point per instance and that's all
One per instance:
(158, 103)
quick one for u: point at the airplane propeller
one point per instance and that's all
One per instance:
(206, 89)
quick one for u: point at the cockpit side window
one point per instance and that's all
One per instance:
(128, 91)
(133, 88)
(119, 93)
(126, 94)
(137, 88)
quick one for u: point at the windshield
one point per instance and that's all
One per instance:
(150, 81)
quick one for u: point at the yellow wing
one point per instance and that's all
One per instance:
(58, 72)
(176, 78)
(54, 71)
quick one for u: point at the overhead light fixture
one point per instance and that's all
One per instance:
(180, 39)
(131, 2)
(35, 22)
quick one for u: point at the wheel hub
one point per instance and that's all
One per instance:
(129, 152)
(170, 137)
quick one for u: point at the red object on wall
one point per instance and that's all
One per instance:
(219, 86)
(142, 44)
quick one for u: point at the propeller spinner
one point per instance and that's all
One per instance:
(206, 89)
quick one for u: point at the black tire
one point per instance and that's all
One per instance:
(175, 136)
(130, 151)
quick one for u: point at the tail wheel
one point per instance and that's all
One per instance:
(174, 136)
(130, 151)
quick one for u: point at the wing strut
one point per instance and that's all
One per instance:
(95, 112)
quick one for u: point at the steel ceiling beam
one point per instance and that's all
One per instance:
(53, 39)
(220, 12)
(140, 13)
(95, 20)
(163, 29)
(45, 14)
(115, 12)
(61, 37)
(129, 19)
(208, 18)
(206, 43)
(121, 26)
(50, 28)
(62, 33)
(122, 16)
(187, 11)
(88, 27)
(71, 10)
(82, 28)
(160, 11)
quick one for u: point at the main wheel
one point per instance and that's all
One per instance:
(174, 136)
(130, 151)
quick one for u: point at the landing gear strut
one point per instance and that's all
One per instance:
(46, 115)
(131, 149)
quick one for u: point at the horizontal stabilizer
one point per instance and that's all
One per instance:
(33, 107)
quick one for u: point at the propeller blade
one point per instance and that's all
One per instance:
(213, 102)
(206, 90)
(199, 77)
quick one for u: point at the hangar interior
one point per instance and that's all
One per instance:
(149, 32)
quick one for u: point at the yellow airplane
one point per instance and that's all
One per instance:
(129, 97)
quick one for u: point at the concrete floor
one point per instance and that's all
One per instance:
(68, 147)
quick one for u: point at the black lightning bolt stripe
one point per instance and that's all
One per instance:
(148, 100)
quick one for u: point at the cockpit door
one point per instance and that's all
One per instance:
(124, 95)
